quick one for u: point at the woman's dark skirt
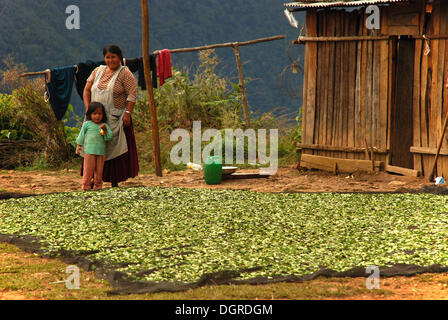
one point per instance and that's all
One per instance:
(125, 166)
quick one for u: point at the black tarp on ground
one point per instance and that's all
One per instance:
(123, 285)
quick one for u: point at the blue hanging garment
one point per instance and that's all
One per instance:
(59, 89)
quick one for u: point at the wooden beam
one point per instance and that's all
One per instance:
(432, 37)
(428, 150)
(241, 84)
(336, 148)
(302, 39)
(403, 171)
(342, 165)
(31, 74)
(148, 80)
(228, 44)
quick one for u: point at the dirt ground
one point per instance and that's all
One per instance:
(285, 180)
(427, 286)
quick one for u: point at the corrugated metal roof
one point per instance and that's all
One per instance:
(307, 4)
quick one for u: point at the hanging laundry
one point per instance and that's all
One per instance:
(137, 65)
(164, 65)
(59, 89)
(84, 71)
(153, 66)
(132, 64)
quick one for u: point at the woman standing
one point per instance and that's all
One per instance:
(115, 87)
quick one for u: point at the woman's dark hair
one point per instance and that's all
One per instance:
(112, 48)
(92, 107)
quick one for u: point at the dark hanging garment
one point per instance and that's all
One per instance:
(137, 65)
(132, 64)
(59, 89)
(153, 65)
(141, 75)
(84, 71)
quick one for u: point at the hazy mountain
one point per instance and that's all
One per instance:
(34, 32)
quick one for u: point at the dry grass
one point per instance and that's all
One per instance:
(27, 276)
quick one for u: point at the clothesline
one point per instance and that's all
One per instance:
(228, 44)
(180, 50)
(59, 81)
(166, 73)
(39, 73)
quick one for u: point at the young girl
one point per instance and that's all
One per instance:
(92, 138)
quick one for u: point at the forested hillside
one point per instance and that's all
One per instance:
(34, 33)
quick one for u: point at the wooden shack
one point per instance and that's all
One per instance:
(374, 99)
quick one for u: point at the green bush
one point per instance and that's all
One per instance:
(9, 128)
(183, 99)
(71, 133)
(26, 115)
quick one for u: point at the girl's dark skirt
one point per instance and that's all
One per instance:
(125, 166)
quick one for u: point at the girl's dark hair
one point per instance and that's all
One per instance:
(112, 48)
(92, 107)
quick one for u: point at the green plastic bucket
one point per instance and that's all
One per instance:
(213, 170)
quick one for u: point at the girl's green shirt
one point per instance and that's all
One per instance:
(92, 140)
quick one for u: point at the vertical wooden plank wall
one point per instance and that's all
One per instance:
(439, 56)
(352, 71)
(336, 82)
(444, 90)
(328, 85)
(384, 92)
(346, 97)
(322, 95)
(359, 82)
(442, 166)
(430, 96)
(432, 81)
(419, 47)
(309, 89)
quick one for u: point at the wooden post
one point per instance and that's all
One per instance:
(439, 145)
(241, 84)
(367, 148)
(148, 81)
